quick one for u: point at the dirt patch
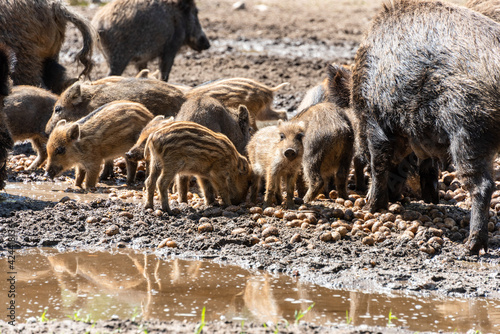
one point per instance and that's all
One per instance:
(282, 42)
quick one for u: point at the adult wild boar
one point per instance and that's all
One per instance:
(35, 30)
(426, 79)
(142, 30)
(7, 61)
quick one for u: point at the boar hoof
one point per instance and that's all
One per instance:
(476, 242)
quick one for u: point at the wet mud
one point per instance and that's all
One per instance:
(285, 42)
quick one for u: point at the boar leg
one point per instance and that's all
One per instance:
(163, 184)
(314, 179)
(476, 171)
(207, 189)
(167, 59)
(182, 185)
(429, 175)
(272, 189)
(131, 169)
(359, 174)
(79, 176)
(290, 189)
(300, 185)
(92, 175)
(255, 187)
(39, 146)
(107, 171)
(150, 183)
(220, 183)
(341, 179)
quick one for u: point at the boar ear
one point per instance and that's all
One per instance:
(158, 118)
(242, 165)
(280, 122)
(74, 93)
(61, 122)
(339, 85)
(185, 5)
(243, 116)
(143, 74)
(303, 125)
(74, 132)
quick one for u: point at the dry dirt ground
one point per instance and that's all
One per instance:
(417, 248)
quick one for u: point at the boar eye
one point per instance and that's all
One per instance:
(58, 109)
(282, 136)
(60, 150)
(300, 136)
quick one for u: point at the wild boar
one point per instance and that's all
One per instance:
(28, 109)
(210, 113)
(141, 30)
(328, 148)
(234, 92)
(80, 99)
(192, 149)
(136, 153)
(275, 152)
(106, 133)
(35, 33)
(7, 61)
(429, 85)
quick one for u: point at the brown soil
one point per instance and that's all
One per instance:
(398, 260)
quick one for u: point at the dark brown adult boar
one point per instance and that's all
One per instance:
(106, 133)
(28, 109)
(141, 30)
(35, 30)
(7, 61)
(275, 153)
(490, 8)
(328, 148)
(233, 92)
(192, 149)
(210, 113)
(426, 79)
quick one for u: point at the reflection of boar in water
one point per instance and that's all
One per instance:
(426, 79)
(106, 133)
(142, 30)
(35, 32)
(28, 109)
(190, 148)
(7, 61)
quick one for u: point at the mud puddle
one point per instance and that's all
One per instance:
(286, 48)
(126, 284)
(55, 191)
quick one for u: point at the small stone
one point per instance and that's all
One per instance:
(253, 240)
(256, 216)
(269, 231)
(261, 221)
(436, 239)
(64, 199)
(268, 212)
(205, 227)
(305, 226)
(427, 249)
(360, 202)
(256, 209)
(239, 230)
(326, 237)
(126, 215)
(411, 215)
(296, 238)
(368, 241)
(121, 244)
(294, 223)
(240, 5)
(271, 239)
(342, 230)
(163, 243)
(336, 236)
(112, 230)
(333, 194)
(396, 208)
(91, 220)
(290, 216)
(171, 244)
(158, 213)
(279, 213)
(491, 227)
(436, 232)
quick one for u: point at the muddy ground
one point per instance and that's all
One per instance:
(417, 248)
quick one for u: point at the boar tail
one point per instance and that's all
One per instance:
(85, 54)
(339, 85)
(147, 149)
(280, 86)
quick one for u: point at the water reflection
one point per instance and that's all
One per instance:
(106, 285)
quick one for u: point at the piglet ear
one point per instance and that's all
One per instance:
(280, 122)
(61, 123)
(74, 132)
(243, 165)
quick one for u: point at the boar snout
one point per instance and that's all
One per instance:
(52, 171)
(290, 154)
